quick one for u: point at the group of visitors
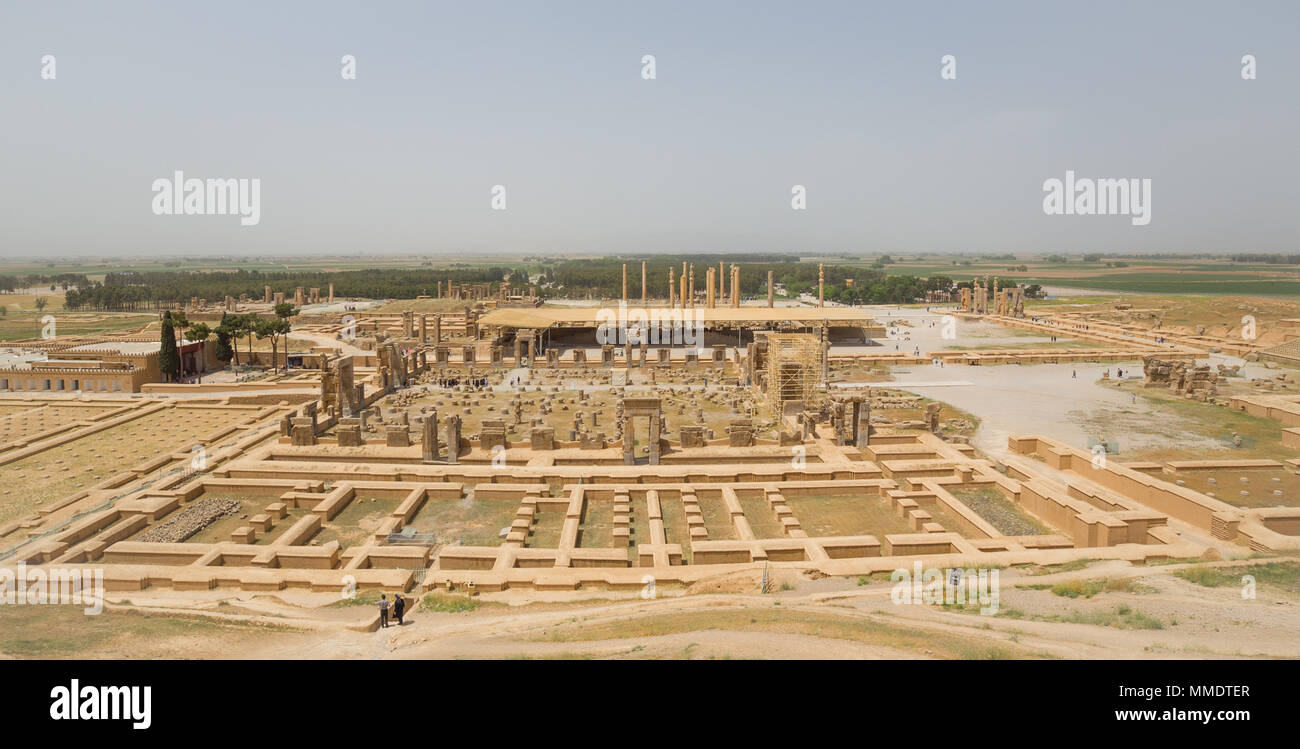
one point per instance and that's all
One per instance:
(397, 606)
(474, 383)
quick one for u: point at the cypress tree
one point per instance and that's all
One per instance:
(169, 360)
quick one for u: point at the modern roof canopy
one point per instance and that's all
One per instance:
(577, 317)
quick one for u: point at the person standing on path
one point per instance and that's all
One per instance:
(383, 610)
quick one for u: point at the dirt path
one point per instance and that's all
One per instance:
(1195, 622)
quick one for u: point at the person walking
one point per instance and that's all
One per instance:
(383, 610)
(399, 606)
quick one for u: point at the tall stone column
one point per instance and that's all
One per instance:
(672, 289)
(429, 438)
(771, 289)
(690, 299)
(655, 427)
(821, 285)
(453, 438)
(424, 328)
(735, 286)
(864, 420)
(629, 443)
(709, 282)
(826, 359)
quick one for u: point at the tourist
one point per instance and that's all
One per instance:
(1074, 374)
(399, 606)
(383, 610)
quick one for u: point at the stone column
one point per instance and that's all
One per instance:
(437, 329)
(821, 286)
(863, 429)
(429, 438)
(708, 284)
(629, 449)
(735, 286)
(826, 358)
(771, 289)
(453, 438)
(424, 327)
(672, 289)
(655, 427)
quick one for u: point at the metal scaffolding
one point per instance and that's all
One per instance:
(793, 370)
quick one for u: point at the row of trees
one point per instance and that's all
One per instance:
(176, 328)
(591, 278)
(10, 284)
(162, 289)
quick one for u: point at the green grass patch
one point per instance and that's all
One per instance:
(448, 604)
(1090, 588)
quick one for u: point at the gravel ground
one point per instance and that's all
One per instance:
(191, 520)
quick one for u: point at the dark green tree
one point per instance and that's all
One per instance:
(169, 361)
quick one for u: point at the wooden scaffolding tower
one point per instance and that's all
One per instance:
(793, 370)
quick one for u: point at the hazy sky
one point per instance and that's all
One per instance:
(547, 99)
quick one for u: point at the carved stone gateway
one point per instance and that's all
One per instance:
(345, 390)
(651, 409)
